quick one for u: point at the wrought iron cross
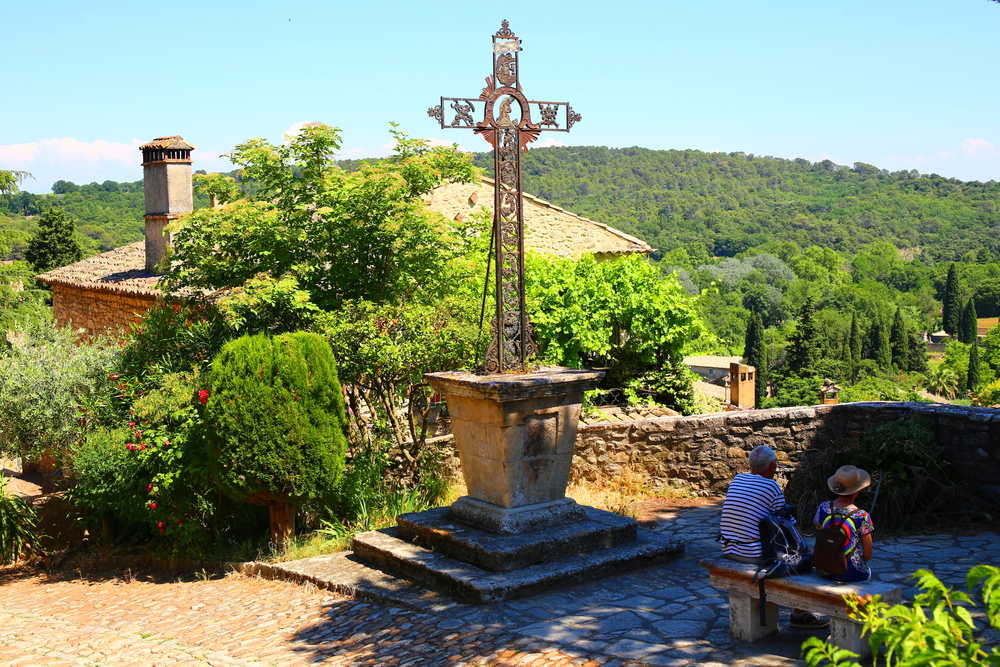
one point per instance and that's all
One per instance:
(507, 126)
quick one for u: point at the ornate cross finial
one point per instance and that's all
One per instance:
(507, 126)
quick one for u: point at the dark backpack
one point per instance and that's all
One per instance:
(828, 554)
(784, 552)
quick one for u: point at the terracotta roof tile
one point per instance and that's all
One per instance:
(175, 142)
(120, 270)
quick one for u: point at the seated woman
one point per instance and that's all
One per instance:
(854, 522)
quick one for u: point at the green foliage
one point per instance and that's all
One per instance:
(54, 244)
(803, 345)
(275, 419)
(973, 378)
(10, 181)
(795, 390)
(952, 305)
(47, 383)
(305, 212)
(899, 342)
(22, 300)
(943, 381)
(968, 329)
(383, 352)
(956, 358)
(872, 389)
(621, 313)
(936, 629)
(755, 354)
(18, 526)
(730, 203)
(989, 395)
(855, 338)
(991, 351)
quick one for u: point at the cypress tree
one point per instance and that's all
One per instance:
(973, 380)
(855, 340)
(898, 341)
(54, 244)
(952, 306)
(971, 328)
(755, 354)
(847, 358)
(883, 351)
(803, 343)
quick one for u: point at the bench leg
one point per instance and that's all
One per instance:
(744, 618)
(846, 634)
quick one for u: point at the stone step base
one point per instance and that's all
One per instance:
(436, 530)
(468, 583)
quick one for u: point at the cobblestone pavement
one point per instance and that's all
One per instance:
(666, 615)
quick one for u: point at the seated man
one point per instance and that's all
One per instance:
(750, 498)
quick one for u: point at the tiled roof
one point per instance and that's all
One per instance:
(174, 142)
(120, 270)
(712, 361)
(633, 245)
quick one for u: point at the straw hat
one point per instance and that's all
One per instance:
(848, 480)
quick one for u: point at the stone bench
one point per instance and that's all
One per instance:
(808, 591)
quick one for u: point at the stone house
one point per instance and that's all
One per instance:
(113, 289)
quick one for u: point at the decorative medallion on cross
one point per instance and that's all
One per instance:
(507, 126)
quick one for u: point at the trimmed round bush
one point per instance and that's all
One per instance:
(276, 424)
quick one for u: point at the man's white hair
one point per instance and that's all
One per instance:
(761, 458)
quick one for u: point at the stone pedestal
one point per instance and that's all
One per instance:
(516, 533)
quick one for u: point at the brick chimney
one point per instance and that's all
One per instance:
(166, 173)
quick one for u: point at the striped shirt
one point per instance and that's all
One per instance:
(749, 499)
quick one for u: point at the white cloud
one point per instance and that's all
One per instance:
(973, 146)
(18, 154)
(551, 142)
(294, 129)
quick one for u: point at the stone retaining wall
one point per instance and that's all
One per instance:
(705, 451)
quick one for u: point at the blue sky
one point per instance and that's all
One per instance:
(902, 85)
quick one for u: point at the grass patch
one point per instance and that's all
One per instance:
(624, 492)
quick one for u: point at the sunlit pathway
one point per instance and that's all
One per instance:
(666, 615)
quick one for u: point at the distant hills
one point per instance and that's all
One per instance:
(711, 203)
(733, 202)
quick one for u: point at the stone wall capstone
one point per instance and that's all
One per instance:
(704, 452)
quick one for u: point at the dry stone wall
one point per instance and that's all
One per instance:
(705, 452)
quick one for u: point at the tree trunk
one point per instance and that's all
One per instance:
(282, 524)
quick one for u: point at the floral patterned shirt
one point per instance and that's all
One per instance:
(859, 524)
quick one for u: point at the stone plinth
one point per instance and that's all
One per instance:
(516, 533)
(515, 436)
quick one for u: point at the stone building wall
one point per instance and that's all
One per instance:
(97, 310)
(705, 452)
(548, 229)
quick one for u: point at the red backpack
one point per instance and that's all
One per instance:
(828, 555)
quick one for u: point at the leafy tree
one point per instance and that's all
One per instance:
(755, 354)
(883, 351)
(952, 303)
(54, 244)
(803, 345)
(67, 187)
(306, 211)
(276, 423)
(899, 342)
(973, 378)
(10, 181)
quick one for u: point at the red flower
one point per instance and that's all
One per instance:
(149, 489)
(160, 525)
(163, 530)
(180, 522)
(152, 506)
(203, 396)
(142, 447)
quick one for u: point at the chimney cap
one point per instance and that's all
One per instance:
(175, 142)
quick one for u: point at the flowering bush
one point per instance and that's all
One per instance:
(152, 472)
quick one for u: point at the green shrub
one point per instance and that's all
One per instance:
(18, 523)
(276, 424)
(47, 383)
(936, 629)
